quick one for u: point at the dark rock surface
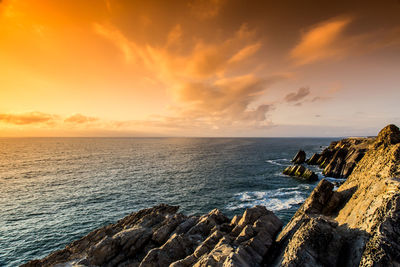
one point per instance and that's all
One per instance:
(300, 157)
(160, 236)
(299, 171)
(339, 158)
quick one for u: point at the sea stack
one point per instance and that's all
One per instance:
(299, 171)
(300, 157)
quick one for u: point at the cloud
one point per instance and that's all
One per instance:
(300, 94)
(228, 100)
(320, 98)
(80, 119)
(204, 60)
(27, 118)
(174, 36)
(328, 41)
(206, 9)
(323, 41)
(207, 82)
(245, 52)
(117, 38)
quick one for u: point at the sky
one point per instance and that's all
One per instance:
(203, 68)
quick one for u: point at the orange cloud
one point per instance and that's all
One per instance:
(321, 42)
(79, 119)
(245, 52)
(27, 118)
(200, 79)
(174, 36)
(206, 9)
(227, 100)
(328, 40)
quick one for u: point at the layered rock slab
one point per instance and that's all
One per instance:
(301, 172)
(300, 157)
(160, 236)
(362, 216)
(339, 158)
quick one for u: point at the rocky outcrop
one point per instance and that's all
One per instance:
(357, 225)
(299, 171)
(160, 236)
(300, 157)
(339, 158)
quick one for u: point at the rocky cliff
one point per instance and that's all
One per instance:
(356, 225)
(339, 158)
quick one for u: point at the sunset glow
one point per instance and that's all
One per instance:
(198, 68)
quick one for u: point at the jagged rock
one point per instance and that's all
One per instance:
(389, 135)
(302, 172)
(314, 159)
(160, 236)
(300, 157)
(339, 158)
(357, 225)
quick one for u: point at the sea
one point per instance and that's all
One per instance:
(56, 190)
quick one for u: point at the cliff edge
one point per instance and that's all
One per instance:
(356, 225)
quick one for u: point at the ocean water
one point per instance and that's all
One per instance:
(56, 190)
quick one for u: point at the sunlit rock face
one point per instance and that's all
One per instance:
(160, 236)
(362, 216)
(301, 172)
(339, 158)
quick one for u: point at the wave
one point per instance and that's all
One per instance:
(275, 200)
(278, 162)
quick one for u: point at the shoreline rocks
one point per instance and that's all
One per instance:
(356, 225)
(339, 158)
(300, 157)
(160, 236)
(299, 171)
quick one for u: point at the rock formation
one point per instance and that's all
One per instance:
(339, 158)
(300, 157)
(301, 172)
(160, 236)
(357, 225)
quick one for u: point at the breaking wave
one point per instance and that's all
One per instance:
(275, 200)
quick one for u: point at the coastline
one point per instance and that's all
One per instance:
(362, 215)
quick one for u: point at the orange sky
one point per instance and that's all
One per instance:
(198, 68)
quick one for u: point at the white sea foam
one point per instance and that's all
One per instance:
(277, 162)
(279, 199)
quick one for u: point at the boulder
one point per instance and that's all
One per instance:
(300, 157)
(300, 171)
